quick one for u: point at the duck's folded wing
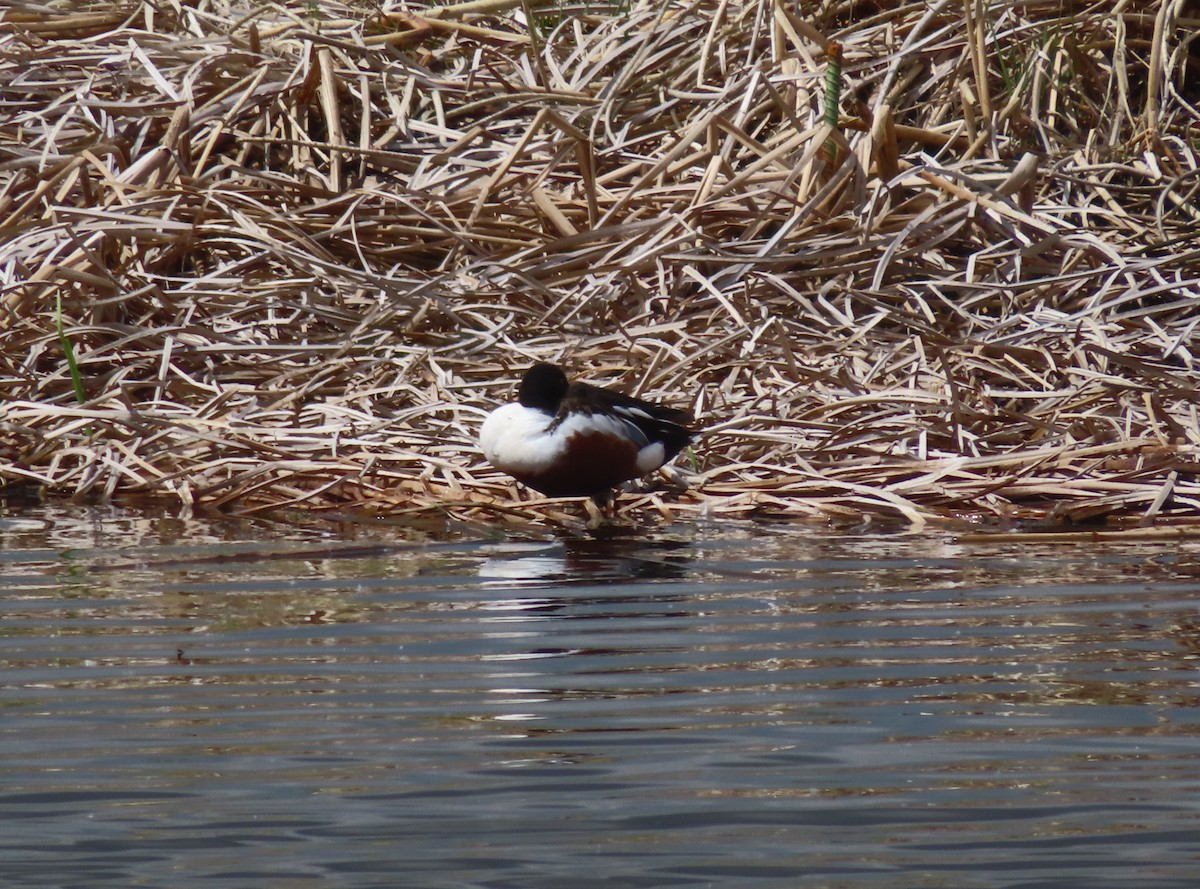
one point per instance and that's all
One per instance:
(646, 423)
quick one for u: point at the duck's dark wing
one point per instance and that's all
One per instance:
(647, 422)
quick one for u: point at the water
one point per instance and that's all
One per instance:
(196, 704)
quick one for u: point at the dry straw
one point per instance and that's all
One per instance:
(302, 248)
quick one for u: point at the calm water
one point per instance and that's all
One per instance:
(199, 704)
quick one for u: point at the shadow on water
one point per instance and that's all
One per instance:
(231, 703)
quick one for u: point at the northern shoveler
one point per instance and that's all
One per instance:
(576, 440)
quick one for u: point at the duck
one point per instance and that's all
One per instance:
(573, 439)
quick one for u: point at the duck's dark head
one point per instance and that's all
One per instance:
(543, 387)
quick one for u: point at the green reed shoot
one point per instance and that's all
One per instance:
(69, 352)
(833, 94)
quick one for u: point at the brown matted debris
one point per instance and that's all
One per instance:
(299, 249)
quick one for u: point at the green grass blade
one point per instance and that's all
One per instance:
(69, 352)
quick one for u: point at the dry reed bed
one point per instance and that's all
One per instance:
(301, 249)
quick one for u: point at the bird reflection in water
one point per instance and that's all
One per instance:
(569, 620)
(587, 560)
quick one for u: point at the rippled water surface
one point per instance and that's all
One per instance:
(196, 704)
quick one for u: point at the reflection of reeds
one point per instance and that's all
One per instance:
(298, 258)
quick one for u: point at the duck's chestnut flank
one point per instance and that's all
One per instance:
(575, 440)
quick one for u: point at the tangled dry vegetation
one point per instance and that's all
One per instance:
(297, 250)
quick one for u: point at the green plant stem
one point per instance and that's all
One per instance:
(833, 94)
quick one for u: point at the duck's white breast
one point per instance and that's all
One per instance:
(515, 439)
